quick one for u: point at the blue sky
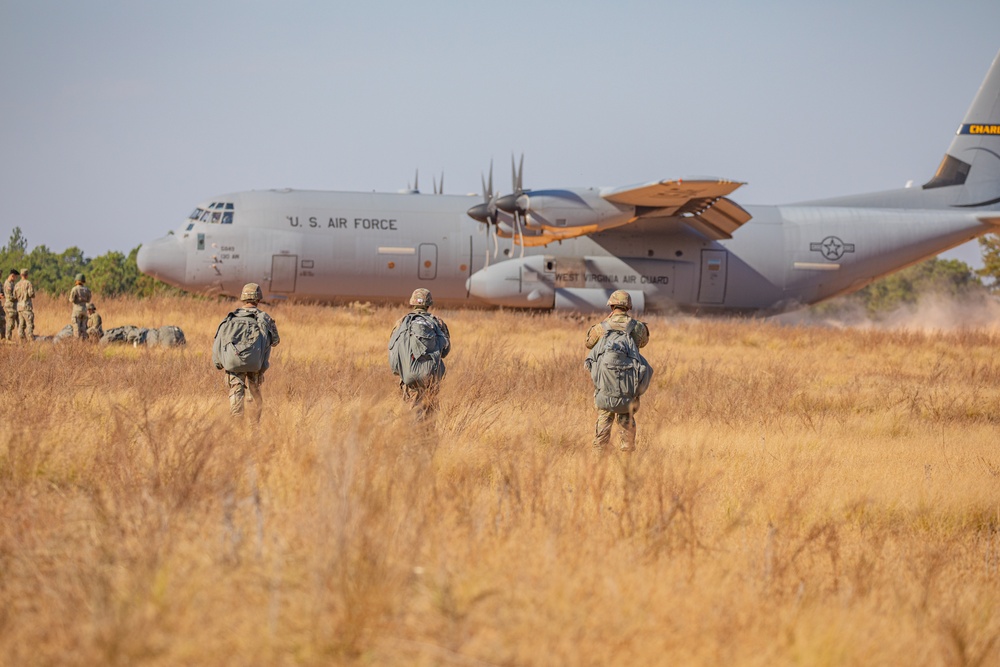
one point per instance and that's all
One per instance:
(117, 117)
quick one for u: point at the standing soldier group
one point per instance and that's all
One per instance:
(419, 342)
(19, 315)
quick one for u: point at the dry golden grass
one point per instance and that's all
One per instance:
(800, 495)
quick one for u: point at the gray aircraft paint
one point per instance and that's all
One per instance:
(343, 246)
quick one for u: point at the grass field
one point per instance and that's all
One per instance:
(800, 495)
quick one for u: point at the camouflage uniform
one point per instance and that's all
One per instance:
(619, 320)
(422, 398)
(79, 296)
(24, 291)
(95, 327)
(3, 318)
(239, 383)
(9, 307)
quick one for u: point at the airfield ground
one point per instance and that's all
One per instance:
(800, 495)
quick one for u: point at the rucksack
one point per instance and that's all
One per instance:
(170, 336)
(620, 373)
(81, 296)
(415, 350)
(118, 334)
(242, 344)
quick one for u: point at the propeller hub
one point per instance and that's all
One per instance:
(480, 212)
(508, 203)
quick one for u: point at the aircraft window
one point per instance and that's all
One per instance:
(216, 217)
(227, 218)
(189, 227)
(195, 214)
(205, 216)
(212, 205)
(229, 207)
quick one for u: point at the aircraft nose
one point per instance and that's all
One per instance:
(163, 259)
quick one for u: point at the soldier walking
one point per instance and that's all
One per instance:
(10, 305)
(418, 344)
(79, 296)
(95, 328)
(618, 321)
(24, 292)
(254, 333)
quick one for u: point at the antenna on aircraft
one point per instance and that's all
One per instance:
(415, 190)
(438, 187)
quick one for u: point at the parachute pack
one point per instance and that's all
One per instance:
(165, 336)
(81, 296)
(416, 350)
(620, 373)
(242, 344)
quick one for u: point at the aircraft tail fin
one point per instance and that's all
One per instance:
(973, 158)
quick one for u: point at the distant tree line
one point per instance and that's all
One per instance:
(110, 274)
(115, 274)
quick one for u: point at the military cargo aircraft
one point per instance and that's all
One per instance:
(672, 244)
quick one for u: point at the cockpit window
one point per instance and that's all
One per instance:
(216, 212)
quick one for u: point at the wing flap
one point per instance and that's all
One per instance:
(723, 218)
(671, 194)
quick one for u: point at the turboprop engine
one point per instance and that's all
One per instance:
(574, 283)
(567, 213)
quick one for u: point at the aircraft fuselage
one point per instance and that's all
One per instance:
(345, 246)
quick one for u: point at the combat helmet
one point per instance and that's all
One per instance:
(251, 292)
(80, 278)
(421, 298)
(91, 306)
(620, 299)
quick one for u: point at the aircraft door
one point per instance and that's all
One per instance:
(427, 261)
(283, 270)
(713, 276)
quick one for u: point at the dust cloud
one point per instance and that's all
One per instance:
(932, 312)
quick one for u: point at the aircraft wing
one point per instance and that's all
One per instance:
(701, 203)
